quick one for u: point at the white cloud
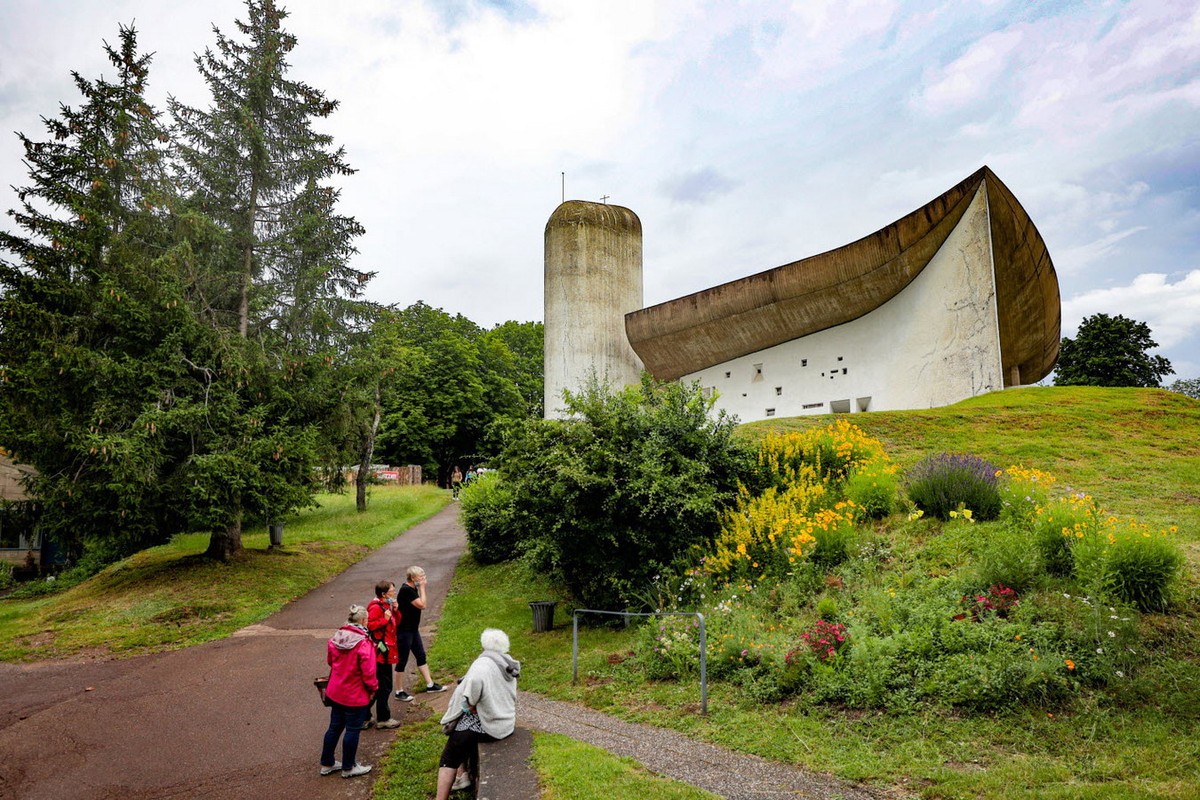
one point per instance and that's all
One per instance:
(1172, 310)
(971, 76)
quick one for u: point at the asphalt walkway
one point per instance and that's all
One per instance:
(234, 718)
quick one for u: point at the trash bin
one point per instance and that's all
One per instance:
(543, 615)
(276, 534)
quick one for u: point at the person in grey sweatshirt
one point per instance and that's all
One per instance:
(483, 708)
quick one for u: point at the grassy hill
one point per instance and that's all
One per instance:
(1137, 451)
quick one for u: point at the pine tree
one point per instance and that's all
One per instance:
(253, 163)
(92, 327)
(277, 281)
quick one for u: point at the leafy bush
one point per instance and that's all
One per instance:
(669, 647)
(487, 510)
(1060, 523)
(620, 490)
(1006, 559)
(6, 575)
(947, 482)
(872, 489)
(1126, 562)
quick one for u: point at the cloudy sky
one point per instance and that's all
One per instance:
(744, 134)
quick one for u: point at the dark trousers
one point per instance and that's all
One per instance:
(409, 642)
(382, 711)
(462, 747)
(350, 720)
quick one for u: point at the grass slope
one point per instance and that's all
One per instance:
(171, 596)
(1137, 451)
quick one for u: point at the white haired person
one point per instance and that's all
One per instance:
(483, 708)
(352, 684)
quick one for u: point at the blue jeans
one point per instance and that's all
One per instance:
(343, 718)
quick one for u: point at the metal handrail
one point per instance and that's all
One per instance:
(703, 643)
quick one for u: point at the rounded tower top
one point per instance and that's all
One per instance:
(599, 215)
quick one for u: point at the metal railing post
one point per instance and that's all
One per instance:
(626, 615)
(575, 647)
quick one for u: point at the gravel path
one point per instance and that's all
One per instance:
(723, 772)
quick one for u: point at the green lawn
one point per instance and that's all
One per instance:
(170, 597)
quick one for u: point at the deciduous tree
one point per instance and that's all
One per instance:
(1110, 351)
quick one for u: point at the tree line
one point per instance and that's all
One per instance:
(184, 343)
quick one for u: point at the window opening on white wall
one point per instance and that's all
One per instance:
(727, 374)
(839, 358)
(757, 373)
(843, 370)
(812, 405)
(804, 362)
(778, 391)
(839, 406)
(770, 412)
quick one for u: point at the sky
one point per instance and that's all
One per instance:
(744, 135)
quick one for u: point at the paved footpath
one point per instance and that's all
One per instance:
(234, 718)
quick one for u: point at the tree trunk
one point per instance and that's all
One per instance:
(364, 466)
(247, 268)
(226, 545)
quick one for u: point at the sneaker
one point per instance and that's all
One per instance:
(356, 770)
(405, 696)
(461, 782)
(337, 765)
(388, 723)
(435, 687)
(368, 723)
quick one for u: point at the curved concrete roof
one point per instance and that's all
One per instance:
(734, 319)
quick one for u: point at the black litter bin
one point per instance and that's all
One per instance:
(276, 534)
(543, 615)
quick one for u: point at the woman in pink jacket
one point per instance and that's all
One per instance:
(352, 685)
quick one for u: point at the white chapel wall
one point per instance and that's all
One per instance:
(934, 343)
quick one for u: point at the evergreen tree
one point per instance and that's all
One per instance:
(92, 327)
(1110, 351)
(277, 284)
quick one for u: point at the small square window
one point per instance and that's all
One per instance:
(778, 391)
(804, 362)
(770, 412)
(727, 374)
(843, 370)
(839, 358)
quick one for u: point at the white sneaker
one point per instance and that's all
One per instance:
(388, 723)
(463, 781)
(356, 770)
(337, 765)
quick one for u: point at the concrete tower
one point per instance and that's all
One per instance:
(593, 277)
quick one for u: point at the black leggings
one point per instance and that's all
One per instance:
(460, 746)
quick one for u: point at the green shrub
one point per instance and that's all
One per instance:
(1006, 558)
(947, 482)
(668, 647)
(6, 575)
(623, 488)
(487, 511)
(1124, 562)
(1057, 525)
(834, 539)
(872, 489)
